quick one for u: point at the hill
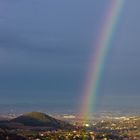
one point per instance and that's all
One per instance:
(38, 119)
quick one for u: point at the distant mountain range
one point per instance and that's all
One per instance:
(35, 120)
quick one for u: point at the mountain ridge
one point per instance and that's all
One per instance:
(36, 120)
(39, 119)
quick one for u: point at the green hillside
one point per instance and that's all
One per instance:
(41, 120)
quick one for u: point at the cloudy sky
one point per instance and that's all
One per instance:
(45, 47)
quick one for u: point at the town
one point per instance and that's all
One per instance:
(115, 128)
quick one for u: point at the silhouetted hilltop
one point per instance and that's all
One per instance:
(38, 119)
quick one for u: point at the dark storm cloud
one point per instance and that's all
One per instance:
(45, 46)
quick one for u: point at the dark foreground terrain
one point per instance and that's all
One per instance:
(39, 126)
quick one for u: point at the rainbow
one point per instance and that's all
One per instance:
(96, 66)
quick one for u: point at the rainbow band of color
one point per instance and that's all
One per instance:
(98, 60)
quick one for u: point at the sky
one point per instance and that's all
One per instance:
(45, 46)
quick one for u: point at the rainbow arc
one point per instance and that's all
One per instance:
(96, 67)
